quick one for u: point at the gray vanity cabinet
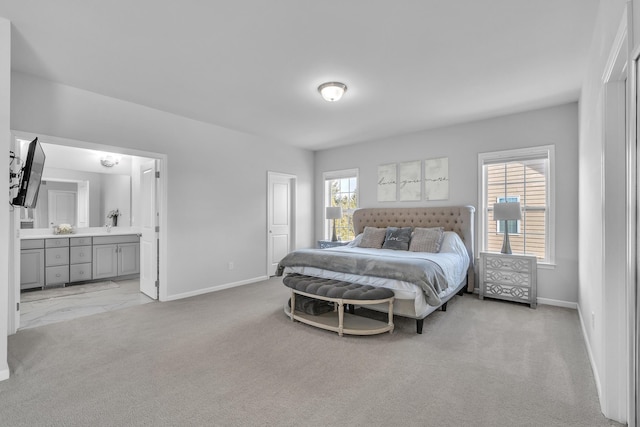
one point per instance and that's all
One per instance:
(56, 261)
(115, 256)
(32, 264)
(80, 255)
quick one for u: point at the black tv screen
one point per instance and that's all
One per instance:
(31, 176)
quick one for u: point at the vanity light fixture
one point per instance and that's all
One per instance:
(109, 161)
(332, 91)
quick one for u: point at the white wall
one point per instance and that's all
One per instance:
(217, 190)
(601, 221)
(5, 138)
(116, 194)
(461, 144)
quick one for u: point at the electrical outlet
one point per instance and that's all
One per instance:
(230, 265)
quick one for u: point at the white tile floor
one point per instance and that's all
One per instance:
(53, 310)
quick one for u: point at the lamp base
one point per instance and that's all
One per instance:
(506, 247)
(334, 237)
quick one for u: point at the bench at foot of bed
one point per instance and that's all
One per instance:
(340, 293)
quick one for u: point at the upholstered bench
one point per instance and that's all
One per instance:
(340, 293)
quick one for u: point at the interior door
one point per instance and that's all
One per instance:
(149, 238)
(62, 207)
(280, 216)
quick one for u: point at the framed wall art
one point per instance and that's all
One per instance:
(436, 179)
(387, 182)
(410, 181)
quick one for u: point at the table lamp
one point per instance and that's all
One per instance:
(334, 212)
(506, 212)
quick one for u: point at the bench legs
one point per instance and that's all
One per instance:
(419, 324)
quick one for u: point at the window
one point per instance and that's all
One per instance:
(525, 176)
(341, 189)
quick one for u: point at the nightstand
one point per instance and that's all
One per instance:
(508, 277)
(323, 244)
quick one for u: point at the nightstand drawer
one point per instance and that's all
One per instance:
(508, 278)
(509, 263)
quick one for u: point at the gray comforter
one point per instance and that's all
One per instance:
(424, 273)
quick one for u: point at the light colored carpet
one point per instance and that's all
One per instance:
(41, 294)
(232, 358)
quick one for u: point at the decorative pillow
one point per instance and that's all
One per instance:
(427, 239)
(372, 237)
(397, 238)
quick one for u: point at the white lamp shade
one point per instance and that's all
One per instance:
(332, 91)
(333, 212)
(506, 211)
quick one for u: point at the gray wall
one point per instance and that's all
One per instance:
(461, 144)
(217, 189)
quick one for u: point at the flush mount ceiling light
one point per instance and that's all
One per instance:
(109, 161)
(332, 91)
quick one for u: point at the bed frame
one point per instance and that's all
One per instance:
(459, 219)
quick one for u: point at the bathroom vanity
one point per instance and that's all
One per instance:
(48, 259)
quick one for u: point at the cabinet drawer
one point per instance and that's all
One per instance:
(32, 244)
(80, 272)
(80, 254)
(80, 241)
(57, 243)
(509, 264)
(56, 275)
(57, 256)
(508, 278)
(110, 240)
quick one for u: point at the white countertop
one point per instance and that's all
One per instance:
(42, 233)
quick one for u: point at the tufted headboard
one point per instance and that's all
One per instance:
(452, 218)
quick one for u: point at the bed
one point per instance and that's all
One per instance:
(422, 282)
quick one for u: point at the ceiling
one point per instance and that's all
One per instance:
(255, 65)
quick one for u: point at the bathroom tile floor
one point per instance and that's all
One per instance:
(61, 308)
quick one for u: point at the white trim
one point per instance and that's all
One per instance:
(4, 372)
(519, 154)
(558, 303)
(592, 359)
(215, 288)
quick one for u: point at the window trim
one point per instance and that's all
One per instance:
(338, 174)
(519, 154)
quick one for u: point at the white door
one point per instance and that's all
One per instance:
(149, 238)
(280, 217)
(62, 207)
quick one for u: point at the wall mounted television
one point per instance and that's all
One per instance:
(31, 176)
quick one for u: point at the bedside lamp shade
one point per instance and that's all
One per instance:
(506, 212)
(334, 212)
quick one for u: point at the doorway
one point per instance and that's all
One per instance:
(281, 218)
(130, 214)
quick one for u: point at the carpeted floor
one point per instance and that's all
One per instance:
(232, 358)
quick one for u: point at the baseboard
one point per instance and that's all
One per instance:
(214, 288)
(592, 360)
(558, 303)
(4, 372)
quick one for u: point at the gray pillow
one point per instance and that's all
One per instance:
(397, 238)
(427, 239)
(372, 237)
